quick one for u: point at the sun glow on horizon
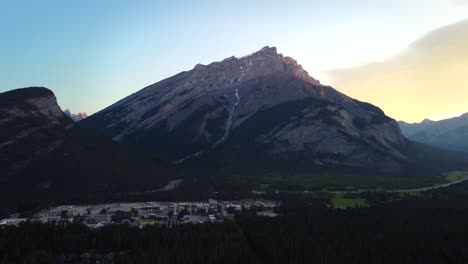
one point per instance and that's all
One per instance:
(428, 80)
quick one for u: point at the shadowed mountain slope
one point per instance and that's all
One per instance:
(265, 103)
(45, 156)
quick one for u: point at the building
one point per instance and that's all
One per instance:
(195, 219)
(147, 222)
(12, 221)
(268, 213)
(212, 218)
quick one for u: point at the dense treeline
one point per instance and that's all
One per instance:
(428, 228)
(38, 243)
(414, 230)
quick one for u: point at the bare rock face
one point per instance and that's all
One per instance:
(263, 100)
(32, 125)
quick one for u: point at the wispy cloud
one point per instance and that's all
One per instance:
(430, 78)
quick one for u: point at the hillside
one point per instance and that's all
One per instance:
(46, 157)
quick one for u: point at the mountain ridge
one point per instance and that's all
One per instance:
(45, 156)
(449, 133)
(31, 116)
(196, 111)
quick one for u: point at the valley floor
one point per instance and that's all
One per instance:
(426, 228)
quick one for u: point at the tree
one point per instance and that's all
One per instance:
(231, 210)
(133, 212)
(64, 214)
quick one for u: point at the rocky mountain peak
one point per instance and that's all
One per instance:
(76, 117)
(264, 100)
(267, 61)
(32, 101)
(427, 121)
(269, 56)
(265, 52)
(29, 94)
(30, 118)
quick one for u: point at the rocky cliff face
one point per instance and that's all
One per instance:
(32, 125)
(45, 156)
(265, 100)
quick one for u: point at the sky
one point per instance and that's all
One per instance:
(93, 53)
(428, 79)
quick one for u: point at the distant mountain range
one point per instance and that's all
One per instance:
(44, 155)
(450, 133)
(263, 106)
(76, 117)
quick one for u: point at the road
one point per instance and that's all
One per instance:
(422, 189)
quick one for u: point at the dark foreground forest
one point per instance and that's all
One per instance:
(428, 229)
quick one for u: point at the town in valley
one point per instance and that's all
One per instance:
(140, 214)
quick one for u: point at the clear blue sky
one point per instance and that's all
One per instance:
(92, 53)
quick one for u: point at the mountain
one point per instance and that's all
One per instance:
(76, 117)
(263, 106)
(45, 156)
(33, 126)
(449, 133)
